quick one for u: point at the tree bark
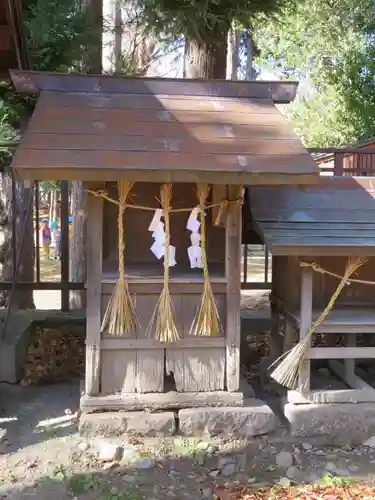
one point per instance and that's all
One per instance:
(24, 224)
(233, 54)
(77, 267)
(206, 59)
(78, 243)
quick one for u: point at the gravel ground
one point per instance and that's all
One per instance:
(42, 456)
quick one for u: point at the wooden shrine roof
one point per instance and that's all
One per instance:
(164, 130)
(336, 216)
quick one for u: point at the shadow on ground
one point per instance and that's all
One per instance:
(43, 457)
(30, 415)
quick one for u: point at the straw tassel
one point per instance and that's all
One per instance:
(206, 322)
(120, 317)
(163, 318)
(286, 371)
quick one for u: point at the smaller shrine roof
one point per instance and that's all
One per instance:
(336, 216)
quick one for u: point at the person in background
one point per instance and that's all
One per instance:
(57, 254)
(46, 239)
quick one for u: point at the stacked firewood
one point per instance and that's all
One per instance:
(53, 356)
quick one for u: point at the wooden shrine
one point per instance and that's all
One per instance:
(311, 232)
(151, 151)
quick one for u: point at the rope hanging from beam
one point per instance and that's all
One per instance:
(287, 365)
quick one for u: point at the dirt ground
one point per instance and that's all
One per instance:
(43, 457)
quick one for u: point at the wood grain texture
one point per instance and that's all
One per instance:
(203, 145)
(118, 371)
(45, 114)
(183, 343)
(154, 402)
(156, 102)
(32, 82)
(317, 217)
(111, 174)
(139, 259)
(341, 353)
(150, 362)
(163, 161)
(233, 274)
(350, 378)
(64, 134)
(166, 130)
(305, 325)
(93, 294)
(200, 364)
(344, 320)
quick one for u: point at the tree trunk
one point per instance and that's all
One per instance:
(78, 243)
(24, 224)
(233, 54)
(206, 59)
(250, 73)
(77, 256)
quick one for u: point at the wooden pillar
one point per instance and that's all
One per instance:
(305, 323)
(93, 297)
(64, 186)
(233, 277)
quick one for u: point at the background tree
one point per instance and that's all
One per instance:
(329, 47)
(58, 34)
(205, 25)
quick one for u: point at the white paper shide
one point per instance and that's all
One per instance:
(158, 235)
(195, 250)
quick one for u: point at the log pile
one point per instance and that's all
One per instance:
(53, 356)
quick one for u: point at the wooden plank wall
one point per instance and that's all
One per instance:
(139, 240)
(195, 368)
(287, 278)
(198, 367)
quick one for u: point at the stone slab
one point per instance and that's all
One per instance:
(255, 418)
(336, 423)
(136, 423)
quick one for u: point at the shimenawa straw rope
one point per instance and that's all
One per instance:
(315, 267)
(120, 317)
(165, 328)
(286, 371)
(206, 322)
(222, 205)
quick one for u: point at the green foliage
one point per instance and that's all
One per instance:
(332, 480)
(329, 46)
(58, 34)
(202, 19)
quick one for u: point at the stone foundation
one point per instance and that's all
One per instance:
(336, 423)
(136, 423)
(253, 419)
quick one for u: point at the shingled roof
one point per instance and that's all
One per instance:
(336, 216)
(164, 130)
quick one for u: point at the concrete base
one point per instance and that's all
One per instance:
(13, 348)
(253, 419)
(336, 423)
(136, 423)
